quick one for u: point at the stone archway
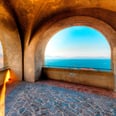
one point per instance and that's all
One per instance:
(39, 41)
(12, 52)
(10, 39)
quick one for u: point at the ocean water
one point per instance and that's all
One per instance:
(96, 64)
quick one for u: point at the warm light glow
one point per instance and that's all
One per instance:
(7, 77)
(2, 95)
(2, 100)
(32, 1)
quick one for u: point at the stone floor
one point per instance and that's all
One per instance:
(81, 88)
(53, 98)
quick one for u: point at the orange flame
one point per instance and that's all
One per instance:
(2, 95)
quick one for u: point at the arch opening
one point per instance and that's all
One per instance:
(38, 44)
(78, 47)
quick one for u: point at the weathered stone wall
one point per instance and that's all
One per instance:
(85, 77)
(2, 76)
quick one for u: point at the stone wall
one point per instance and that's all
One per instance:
(85, 77)
(2, 76)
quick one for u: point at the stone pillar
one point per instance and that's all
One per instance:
(29, 68)
(114, 67)
(115, 79)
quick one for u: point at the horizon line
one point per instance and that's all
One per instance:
(74, 57)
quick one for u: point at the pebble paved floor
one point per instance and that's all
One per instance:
(40, 99)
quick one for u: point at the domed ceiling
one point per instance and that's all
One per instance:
(30, 15)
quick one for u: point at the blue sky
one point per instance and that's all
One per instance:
(77, 42)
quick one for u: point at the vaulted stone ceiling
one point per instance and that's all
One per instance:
(24, 25)
(30, 15)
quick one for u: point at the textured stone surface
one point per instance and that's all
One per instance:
(27, 25)
(10, 40)
(31, 12)
(44, 100)
(85, 77)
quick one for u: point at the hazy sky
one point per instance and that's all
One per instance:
(78, 41)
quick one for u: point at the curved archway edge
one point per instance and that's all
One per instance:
(12, 53)
(39, 41)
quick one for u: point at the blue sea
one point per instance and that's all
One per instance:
(97, 64)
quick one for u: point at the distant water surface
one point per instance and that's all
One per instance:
(97, 64)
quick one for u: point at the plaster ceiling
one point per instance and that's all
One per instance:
(30, 13)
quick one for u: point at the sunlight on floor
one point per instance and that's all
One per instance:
(2, 95)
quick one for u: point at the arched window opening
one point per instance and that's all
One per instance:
(78, 47)
(1, 56)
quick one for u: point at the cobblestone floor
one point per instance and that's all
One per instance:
(29, 99)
